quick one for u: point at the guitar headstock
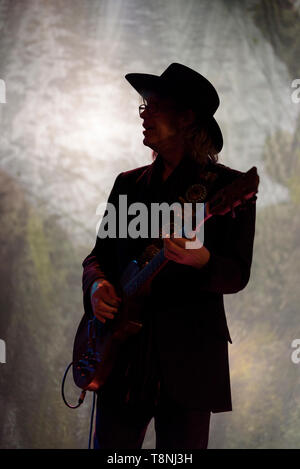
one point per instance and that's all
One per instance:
(240, 192)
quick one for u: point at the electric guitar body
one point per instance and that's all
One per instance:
(97, 344)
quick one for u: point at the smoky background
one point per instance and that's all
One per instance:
(70, 125)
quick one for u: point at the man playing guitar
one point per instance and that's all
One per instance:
(175, 368)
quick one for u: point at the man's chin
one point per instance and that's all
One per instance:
(149, 144)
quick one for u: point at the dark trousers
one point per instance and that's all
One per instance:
(124, 427)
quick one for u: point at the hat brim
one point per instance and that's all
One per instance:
(147, 85)
(215, 133)
(150, 85)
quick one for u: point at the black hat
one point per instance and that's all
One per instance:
(185, 86)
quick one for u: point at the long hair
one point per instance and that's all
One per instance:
(199, 144)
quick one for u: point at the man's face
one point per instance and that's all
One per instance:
(162, 123)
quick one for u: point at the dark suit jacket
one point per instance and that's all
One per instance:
(185, 338)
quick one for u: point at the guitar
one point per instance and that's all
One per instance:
(97, 344)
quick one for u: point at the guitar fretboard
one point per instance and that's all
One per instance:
(143, 276)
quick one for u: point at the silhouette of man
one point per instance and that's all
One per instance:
(176, 368)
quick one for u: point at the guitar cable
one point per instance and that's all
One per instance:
(80, 401)
(92, 419)
(81, 397)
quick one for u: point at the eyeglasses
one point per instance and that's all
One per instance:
(155, 107)
(152, 108)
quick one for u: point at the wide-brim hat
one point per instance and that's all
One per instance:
(186, 86)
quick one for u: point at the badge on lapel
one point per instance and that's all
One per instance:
(196, 193)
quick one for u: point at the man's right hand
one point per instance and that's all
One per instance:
(104, 299)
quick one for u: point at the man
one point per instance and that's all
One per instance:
(176, 368)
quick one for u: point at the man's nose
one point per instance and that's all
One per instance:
(144, 112)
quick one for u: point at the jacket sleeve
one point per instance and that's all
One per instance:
(228, 269)
(97, 264)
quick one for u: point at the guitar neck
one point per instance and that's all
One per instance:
(146, 274)
(152, 268)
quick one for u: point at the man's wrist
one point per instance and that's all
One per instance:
(95, 285)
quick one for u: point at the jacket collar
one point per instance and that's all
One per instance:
(185, 168)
